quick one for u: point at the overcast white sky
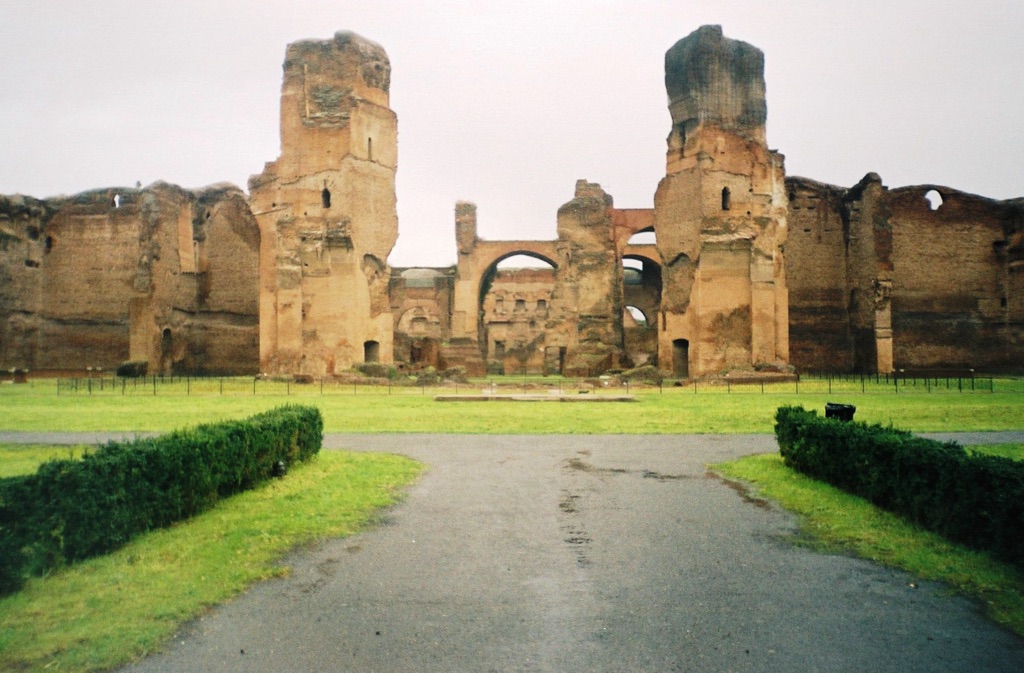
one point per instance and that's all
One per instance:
(507, 103)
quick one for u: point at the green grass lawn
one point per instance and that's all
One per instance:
(105, 611)
(675, 410)
(25, 458)
(108, 610)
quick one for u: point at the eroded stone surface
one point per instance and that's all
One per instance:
(160, 275)
(327, 212)
(750, 269)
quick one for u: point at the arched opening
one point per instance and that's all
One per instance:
(934, 199)
(633, 317)
(369, 149)
(681, 358)
(325, 197)
(371, 351)
(641, 294)
(726, 198)
(515, 300)
(417, 334)
(644, 237)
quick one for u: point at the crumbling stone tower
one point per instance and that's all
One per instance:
(588, 290)
(327, 211)
(720, 213)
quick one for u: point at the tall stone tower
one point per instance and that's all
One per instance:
(720, 213)
(327, 214)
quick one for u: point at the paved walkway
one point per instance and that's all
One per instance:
(584, 553)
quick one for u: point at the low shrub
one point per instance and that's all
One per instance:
(132, 370)
(376, 370)
(71, 510)
(455, 374)
(648, 373)
(972, 499)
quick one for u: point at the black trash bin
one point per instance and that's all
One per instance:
(842, 412)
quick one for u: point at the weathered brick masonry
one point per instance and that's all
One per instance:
(749, 269)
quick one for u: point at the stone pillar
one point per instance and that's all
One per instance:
(465, 312)
(588, 286)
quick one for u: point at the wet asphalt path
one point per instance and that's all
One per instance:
(584, 553)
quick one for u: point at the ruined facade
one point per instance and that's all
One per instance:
(159, 275)
(736, 267)
(923, 277)
(327, 211)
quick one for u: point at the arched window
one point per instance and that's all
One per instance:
(371, 351)
(934, 199)
(325, 196)
(726, 198)
(369, 149)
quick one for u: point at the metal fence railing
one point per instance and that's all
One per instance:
(824, 383)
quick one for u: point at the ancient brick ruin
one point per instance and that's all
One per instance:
(327, 212)
(742, 267)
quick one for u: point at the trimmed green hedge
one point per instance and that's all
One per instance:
(70, 510)
(972, 499)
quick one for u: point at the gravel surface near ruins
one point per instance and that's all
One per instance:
(585, 553)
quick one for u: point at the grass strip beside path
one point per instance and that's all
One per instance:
(674, 411)
(834, 521)
(109, 610)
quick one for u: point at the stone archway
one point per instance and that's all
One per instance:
(515, 299)
(477, 266)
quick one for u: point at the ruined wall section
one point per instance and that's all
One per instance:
(421, 304)
(720, 214)
(816, 261)
(86, 285)
(588, 296)
(881, 280)
(23, 248)
(160, 275)
(1011, 254)
(327, 211)
(195, 307)
(516, 311)
(951, 292)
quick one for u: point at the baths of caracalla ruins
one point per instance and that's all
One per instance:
(736, 267)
